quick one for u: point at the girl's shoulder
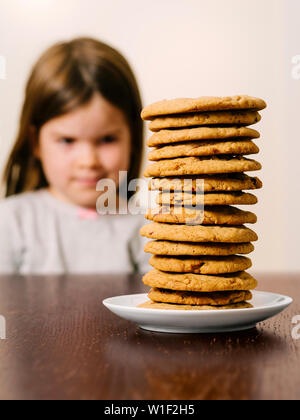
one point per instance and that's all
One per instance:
(15, 201)
(17, 205)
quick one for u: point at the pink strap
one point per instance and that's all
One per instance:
(87, 214)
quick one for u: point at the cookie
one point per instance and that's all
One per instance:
(198, 233)
(200, 282)
(216, 182)
(205, 148)
(212, 215)
(164, 137)
(200, 265)
(170, 306)
(205, 103)
(199, 298)
(201, 165)
(207, 199)
(205, 118)
(197, 249)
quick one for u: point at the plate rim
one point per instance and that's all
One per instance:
(287, 301)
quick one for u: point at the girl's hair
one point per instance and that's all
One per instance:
(65, 77)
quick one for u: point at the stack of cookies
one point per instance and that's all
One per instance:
(199, 238)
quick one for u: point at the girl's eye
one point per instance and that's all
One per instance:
(108, 139)
(66, 140)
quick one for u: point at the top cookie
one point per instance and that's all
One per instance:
(205, 103)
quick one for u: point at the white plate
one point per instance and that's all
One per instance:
(265, 305)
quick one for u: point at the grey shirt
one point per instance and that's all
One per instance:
(41, 235)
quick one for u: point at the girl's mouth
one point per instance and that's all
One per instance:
(88, 182)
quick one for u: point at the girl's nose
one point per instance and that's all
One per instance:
(88, 157)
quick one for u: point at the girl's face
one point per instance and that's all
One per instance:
(80, 148)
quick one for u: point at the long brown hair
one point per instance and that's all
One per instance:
(65, 77)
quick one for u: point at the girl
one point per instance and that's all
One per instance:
(80, 123)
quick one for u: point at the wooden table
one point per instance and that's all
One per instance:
(63, 344)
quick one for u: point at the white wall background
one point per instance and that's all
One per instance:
(185, 48)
